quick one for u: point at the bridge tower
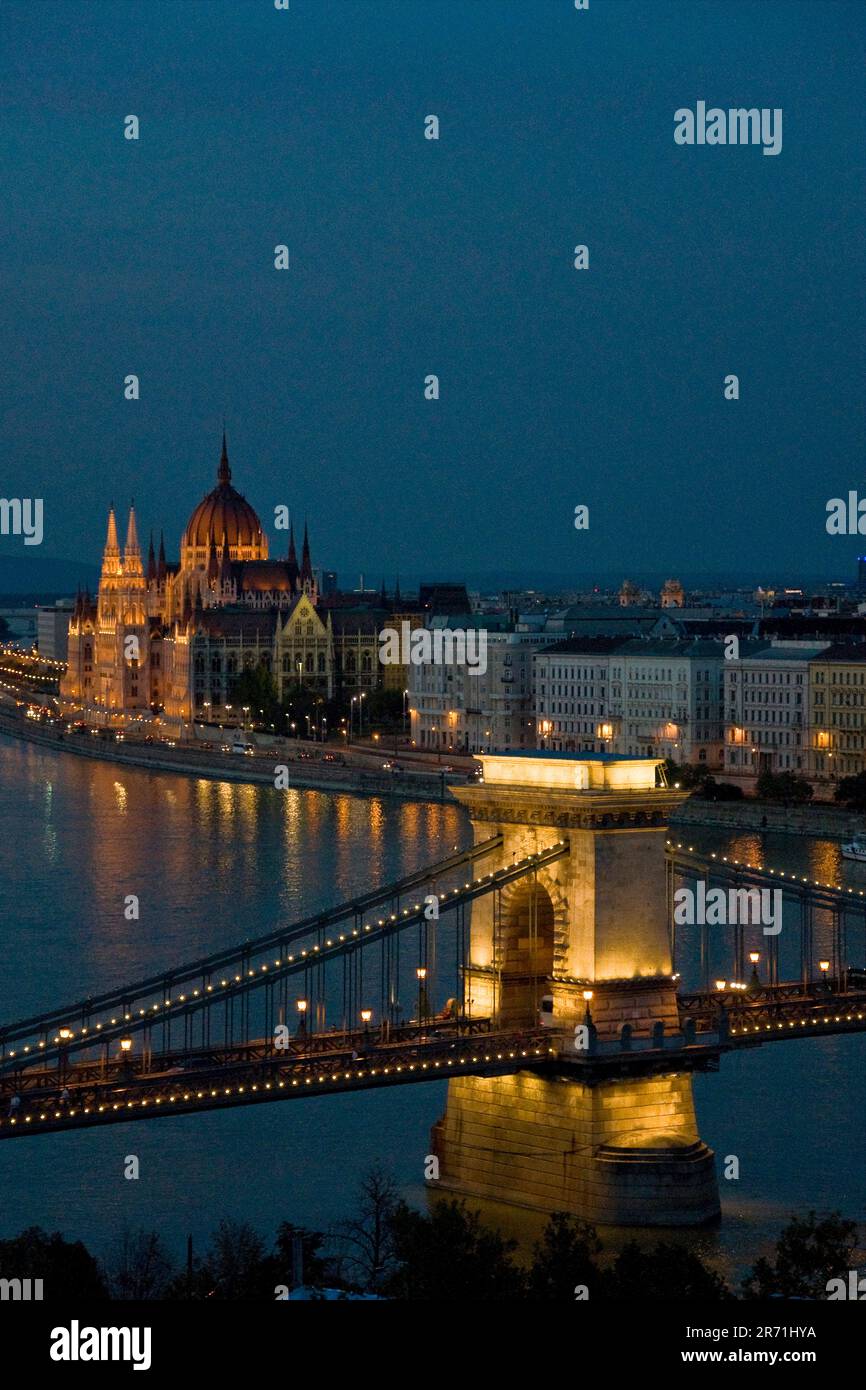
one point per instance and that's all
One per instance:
(621, 1151)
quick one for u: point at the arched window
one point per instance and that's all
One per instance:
(350, 662)
(309, 663)
(321, 663)
(365, 662)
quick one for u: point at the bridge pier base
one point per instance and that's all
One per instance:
(624, 1152)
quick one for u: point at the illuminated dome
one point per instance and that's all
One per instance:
(224, 515)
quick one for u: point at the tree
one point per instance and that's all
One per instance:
(316, 1269)
(783, 786)
(852, 792)
(366, 1242)
(688, 775)
(808, 1254)
(256, 687)
(236, 1264)
(448, 1255)
(142, 1269)
(563, 1259)
(665, 1272)
(721, 791)
(67, 1268)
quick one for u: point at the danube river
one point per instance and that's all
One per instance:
(212, 863)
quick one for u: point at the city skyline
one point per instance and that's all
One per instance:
(602, 387)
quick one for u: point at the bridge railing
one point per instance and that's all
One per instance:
(122, 997)
(231, 992)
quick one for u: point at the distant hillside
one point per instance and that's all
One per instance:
(37, 574)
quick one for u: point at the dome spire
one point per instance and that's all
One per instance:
(224, 473)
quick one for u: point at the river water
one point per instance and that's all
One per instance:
(212, 863)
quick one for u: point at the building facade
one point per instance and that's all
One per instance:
(837, 705)
(656, 697)
(170, 638)
(455, 710)
(767, 709)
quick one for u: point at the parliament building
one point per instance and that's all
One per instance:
(171, 637)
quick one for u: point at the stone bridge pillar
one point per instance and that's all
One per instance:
(596, 920)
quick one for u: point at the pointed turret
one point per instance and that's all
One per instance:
(225, 560)
(213, 568)
(224, 473)
(151, 561)
(160, 564)
(111, 553)
(131, 549)
(306, 564)
(293, 558)
(112, 545)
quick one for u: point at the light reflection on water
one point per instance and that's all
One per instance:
(214, 862)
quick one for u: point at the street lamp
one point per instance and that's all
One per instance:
(824, 966)
(587, 997)
(421, 975)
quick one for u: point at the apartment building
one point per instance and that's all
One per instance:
(837, 705)
(452, 708)
(767, 709)
(653, 697)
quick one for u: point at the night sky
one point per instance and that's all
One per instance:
(411, 256)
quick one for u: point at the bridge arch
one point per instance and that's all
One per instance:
(528, 939)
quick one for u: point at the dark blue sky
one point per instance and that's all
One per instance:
(411, 256)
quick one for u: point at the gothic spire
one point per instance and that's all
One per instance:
(306, 563)
(131, 549)
(112, 545)
(293, 557)
(160, 566)
(224, 473)
(151, 562)
(225, 559)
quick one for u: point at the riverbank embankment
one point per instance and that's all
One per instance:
(260, 768)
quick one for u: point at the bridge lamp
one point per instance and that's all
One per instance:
(366, 1015)
(421, 976)
(65, 1034)
(126, 1046)
(587, 999)
(721, 984)
(302, 1006)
